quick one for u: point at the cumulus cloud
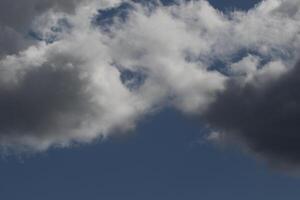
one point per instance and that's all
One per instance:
(259, 107)
(62, 97)
(79, 70)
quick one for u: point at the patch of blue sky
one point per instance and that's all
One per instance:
(107, 17)
(132, 79)
(39, 37)
(54, 32)
(229, 5)
(223, 5)
(222, 64)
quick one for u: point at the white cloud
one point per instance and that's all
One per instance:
(174, 47)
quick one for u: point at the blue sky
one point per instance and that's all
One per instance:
(161, 161)
(165, 158)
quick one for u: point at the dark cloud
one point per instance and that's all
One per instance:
(47, 101)
(17, 16)
(264, 117)
(11, 41)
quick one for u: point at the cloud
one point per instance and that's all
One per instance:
(260, 104)
(51, 96)
(263, 117)
(17, 17)
(77, 71)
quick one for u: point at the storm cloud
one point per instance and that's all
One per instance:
(263, 117)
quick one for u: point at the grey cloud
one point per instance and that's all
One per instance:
(11, 40)
(289, 8)
(17, 16)
(263, 117)
(46, 101)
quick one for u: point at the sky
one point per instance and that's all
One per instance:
(113, 99)
(146, 165)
